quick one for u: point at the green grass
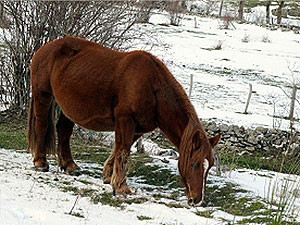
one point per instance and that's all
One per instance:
(151, 174)
(256, 161)
(13, 136)
(144, 218)
(107, 199)
(77, 214)
(232, 199)
(89, 153)
(206, 213)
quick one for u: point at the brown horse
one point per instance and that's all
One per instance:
(130, 93)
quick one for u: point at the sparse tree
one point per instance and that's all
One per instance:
(241, 9)
(146, 8)
(34, 23)
(209, 6)
(268, 4)
(279, 11)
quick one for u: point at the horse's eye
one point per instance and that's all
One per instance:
(195, 165)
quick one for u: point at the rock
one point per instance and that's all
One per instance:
(273, 28)
(252, 139)
(225, 136)
(250, 148)
(241, 129)
(234, 140)
(286, 29)
(212, 127)
(164, 160)
(261, 130)
(245, 143)
(224, 128)
(235, 129)
(278, 142)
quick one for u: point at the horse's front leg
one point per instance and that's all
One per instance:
(124, 136)
(109, 163)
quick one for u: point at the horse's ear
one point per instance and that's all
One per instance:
(214, 140)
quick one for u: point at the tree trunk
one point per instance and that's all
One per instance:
(1, 11)
(221, 8)
(279, 12)
(241, 9)
(268, 4)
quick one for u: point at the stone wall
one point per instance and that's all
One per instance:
(242, 140)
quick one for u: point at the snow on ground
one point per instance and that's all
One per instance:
(32, 198)
(26, 199)
(249, 54)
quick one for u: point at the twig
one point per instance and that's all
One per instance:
(74, 205)
(288, 95)
(32, 186)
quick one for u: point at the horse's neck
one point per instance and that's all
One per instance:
(173, 132)
(173, 120)
(174, 109)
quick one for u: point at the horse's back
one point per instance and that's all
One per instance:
(92, 83)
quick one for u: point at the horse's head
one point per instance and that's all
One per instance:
(197, 166)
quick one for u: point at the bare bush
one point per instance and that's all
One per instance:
(209, 6)
(34, 23)
(226, 21)
(176, 10)
(266, 39)
(146, 8)
(218, 46)
(246, 38)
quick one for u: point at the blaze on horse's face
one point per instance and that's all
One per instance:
(202, 159)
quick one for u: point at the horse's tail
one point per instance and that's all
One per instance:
(50, 135)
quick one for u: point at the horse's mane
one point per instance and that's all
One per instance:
(193, 126)
(187, 143)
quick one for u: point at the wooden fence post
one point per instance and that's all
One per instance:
(248, 100)
(191, 85)
(292, 105)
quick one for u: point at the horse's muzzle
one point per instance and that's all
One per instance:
(192, 203)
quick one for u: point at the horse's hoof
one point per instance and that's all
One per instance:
(41, 169)
(106, 181)
(123, 190)
(75, 173)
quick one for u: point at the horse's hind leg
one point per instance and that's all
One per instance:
(124, 135)
(109, 163)
(42, 129)
(64, 128)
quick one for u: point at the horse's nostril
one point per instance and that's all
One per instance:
(191, 202)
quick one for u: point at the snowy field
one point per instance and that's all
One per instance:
(221, 82)
(249, 54)
(33, 198)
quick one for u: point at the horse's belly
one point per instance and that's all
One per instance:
(91, 116)
(98, 123)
